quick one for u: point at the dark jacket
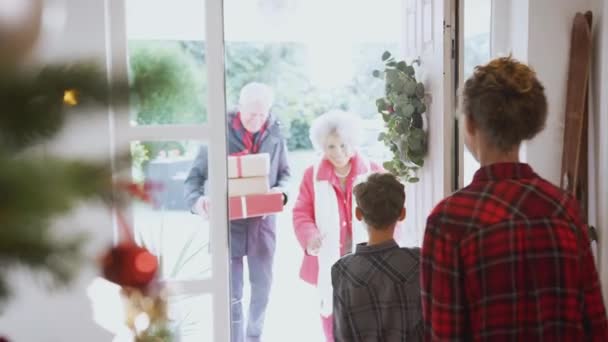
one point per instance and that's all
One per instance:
(256, 235)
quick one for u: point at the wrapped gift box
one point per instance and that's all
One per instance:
(255, 205)
(248, 186)
(249, 165)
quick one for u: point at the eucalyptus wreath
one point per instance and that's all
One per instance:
(402, 110)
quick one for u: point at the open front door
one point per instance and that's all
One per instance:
(164, 132)
(430, 33)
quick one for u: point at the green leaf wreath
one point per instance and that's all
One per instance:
(402, 110)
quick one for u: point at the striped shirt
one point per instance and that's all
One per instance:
(377, 294)
(508, 258)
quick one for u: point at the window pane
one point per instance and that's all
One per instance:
(191, 317)
(170, 33)
(168, 228)
(477, 29)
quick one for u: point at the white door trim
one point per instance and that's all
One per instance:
(213, 133)
(216, 104)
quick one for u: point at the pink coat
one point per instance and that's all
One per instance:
(304, 211)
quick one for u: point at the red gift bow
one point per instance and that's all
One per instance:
(239, 162)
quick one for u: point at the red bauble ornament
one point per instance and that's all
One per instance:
(129, 265)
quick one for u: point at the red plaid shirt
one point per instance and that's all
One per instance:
(508, 259)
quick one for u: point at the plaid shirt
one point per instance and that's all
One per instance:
(250, 141)
(377, 294)
(508, 259)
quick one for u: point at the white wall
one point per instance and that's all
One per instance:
(548, 49)
(539, 34)
(35, 314)
(519, 23)
(548, 53)
(598, 167)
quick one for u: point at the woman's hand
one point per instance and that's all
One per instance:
(314, 244)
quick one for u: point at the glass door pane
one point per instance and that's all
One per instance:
(168, 228)
(172, 32)
(172, 52)
(192, 316)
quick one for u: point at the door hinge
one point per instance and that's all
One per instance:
(593, 234)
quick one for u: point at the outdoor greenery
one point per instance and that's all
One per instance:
(402, 108)
(284, 66)
(298, 135)
(37, 188)
(281, 65)
(182, 100)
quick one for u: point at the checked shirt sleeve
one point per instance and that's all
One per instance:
(594, 312)
(441, 285)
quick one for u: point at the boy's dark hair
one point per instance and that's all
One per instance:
(506, 101)
(380, 198)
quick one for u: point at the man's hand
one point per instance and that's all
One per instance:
(280, 190)
(314, 244)
(201, 207)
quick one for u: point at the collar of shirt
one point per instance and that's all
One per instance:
(365, 248)
(502, 171)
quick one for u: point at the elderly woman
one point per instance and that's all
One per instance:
(323, 213)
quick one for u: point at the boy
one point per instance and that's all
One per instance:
(376, 289)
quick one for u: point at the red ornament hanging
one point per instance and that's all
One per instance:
(128, 264)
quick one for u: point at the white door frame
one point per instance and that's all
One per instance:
(213, 133)
(431, 37)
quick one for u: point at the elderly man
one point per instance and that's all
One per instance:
(252, 129)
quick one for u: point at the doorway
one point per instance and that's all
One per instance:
(317, 56)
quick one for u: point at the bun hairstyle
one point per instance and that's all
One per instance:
(506, 102)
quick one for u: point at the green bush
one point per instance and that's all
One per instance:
(183, 95)
(299, 135)
(283, 66)
(182, 99)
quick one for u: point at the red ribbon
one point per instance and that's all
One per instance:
(239, 167)
(239, 162)
(125, 228)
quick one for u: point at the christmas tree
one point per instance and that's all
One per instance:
(36, 189)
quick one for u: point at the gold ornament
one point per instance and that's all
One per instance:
(146, 313)
(70, 97)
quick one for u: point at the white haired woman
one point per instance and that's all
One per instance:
(323, 213)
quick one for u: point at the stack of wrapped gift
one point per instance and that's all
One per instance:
(248, 187)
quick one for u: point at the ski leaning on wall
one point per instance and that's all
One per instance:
(574, 173)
